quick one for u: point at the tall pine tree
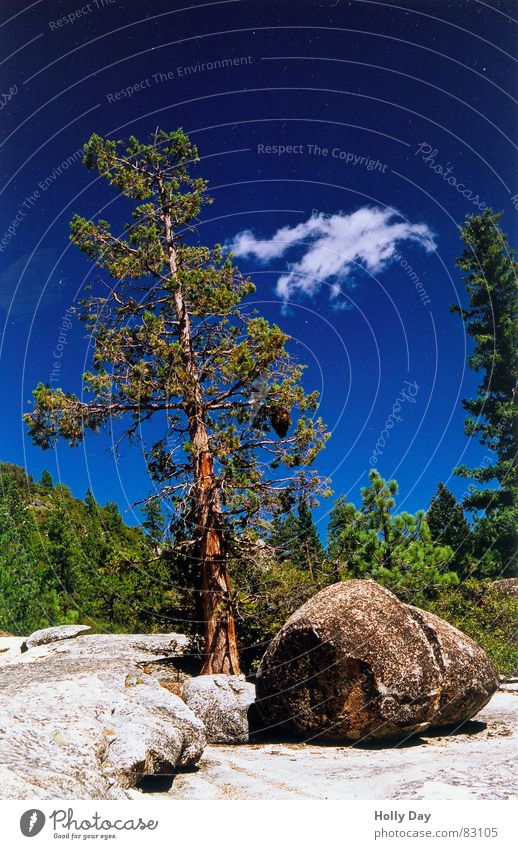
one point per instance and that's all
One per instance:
(175, 337)
(491, 320)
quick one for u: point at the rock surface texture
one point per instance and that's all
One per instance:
(355, 663)
(222, 703)
(87, 725)
(507, 586)
(477, 761)
(468, 677)
(53, 635)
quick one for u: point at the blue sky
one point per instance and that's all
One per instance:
(357, 134)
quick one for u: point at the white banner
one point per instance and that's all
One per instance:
(227, 825)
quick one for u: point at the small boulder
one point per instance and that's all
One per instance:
(222, 703)
(355, 663)
(159, 655)
(53, 635)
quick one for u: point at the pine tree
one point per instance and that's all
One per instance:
(491, 320)
(28, 598)
(396, 550)
(448, 526)
(310, 546)
(175, 337)
(295, 538)
(46, 479)
(378, 502)
(154, 521)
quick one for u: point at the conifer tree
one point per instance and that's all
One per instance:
(46, 479)
(295, 538)
(176, 338)
(491, 320)
(448, 526)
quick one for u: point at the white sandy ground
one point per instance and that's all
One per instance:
(476, 762)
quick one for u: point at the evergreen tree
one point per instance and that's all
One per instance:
(154, 521)
(448, 526)
(310, 546)
(65, 553)
(295, 539)
(175, 337)
(46, 479)
(396, 550)
(491, 320)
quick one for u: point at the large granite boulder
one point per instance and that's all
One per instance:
(222, 703)
(90, 724)
(355, 663)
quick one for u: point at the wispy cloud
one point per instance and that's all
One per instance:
(333, 247)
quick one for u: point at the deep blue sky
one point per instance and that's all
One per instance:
(373, 79)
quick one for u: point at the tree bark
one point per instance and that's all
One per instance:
(220, 645)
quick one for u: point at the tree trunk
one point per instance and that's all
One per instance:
(220, 647)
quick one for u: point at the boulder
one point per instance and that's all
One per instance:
(222, 703)
(51, 635)
(355, 663)
(83, 728)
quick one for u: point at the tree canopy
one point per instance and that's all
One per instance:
(489, 269)
(176, 336)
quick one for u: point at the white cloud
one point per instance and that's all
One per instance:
(333, 247)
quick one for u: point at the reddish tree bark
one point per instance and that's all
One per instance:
(220, 645)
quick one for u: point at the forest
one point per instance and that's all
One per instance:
(70, 560)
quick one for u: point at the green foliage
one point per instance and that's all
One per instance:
(175, 335)
(448, 526)
(153, 521)
(396, 550)
(267, 592)
(295, 539)
(490, 618)
(46, 479)
(490, 276)
(63, 560)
